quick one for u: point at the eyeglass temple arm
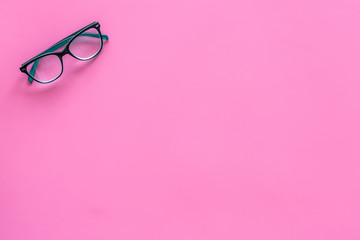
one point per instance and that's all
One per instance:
(60, 44)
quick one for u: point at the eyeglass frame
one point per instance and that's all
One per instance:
(51, 51)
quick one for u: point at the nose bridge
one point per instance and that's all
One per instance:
(64, 52)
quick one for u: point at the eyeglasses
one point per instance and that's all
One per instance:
(84, 44)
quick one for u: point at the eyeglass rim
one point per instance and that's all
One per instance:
(69, 43)
(44, 55)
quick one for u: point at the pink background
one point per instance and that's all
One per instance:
(200, 119)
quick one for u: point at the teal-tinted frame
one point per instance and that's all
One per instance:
(52, 51)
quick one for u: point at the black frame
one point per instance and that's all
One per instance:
(50, 51)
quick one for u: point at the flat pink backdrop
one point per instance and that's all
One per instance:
(226, 119)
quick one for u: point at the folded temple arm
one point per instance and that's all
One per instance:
(58, 45)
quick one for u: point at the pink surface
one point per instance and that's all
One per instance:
(199, 120)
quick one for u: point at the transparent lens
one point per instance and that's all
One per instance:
(45, 69)
(86, 45)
